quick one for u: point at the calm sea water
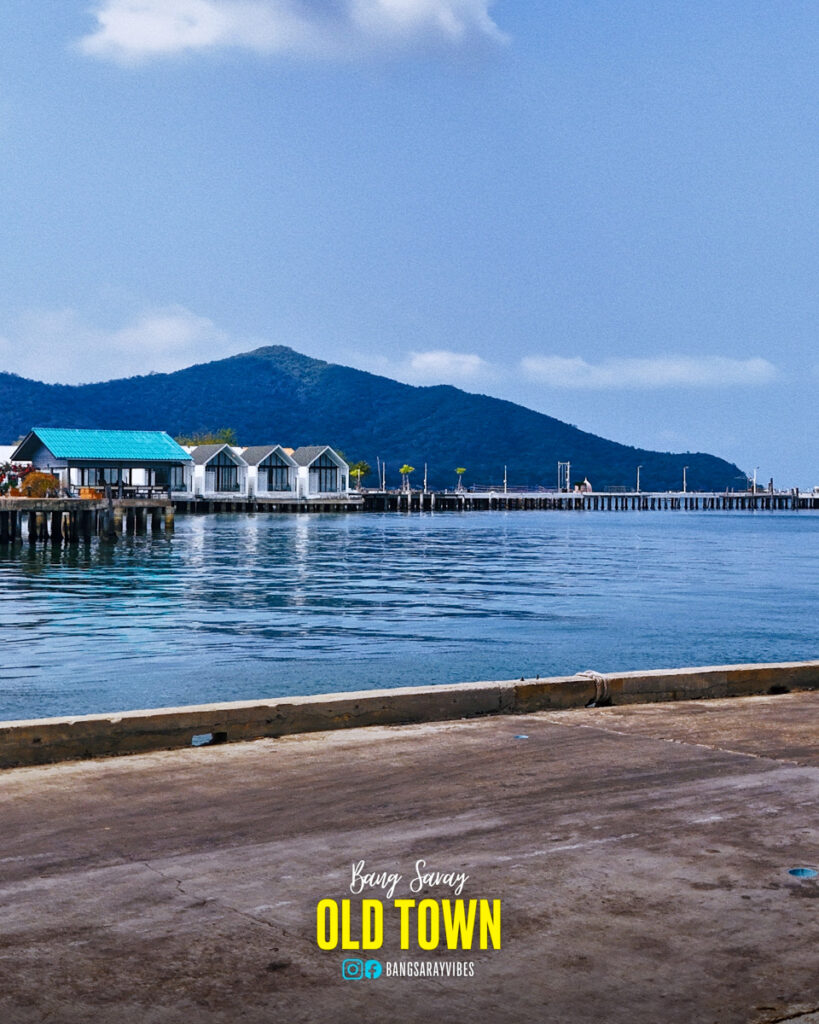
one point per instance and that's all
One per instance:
(243, 607)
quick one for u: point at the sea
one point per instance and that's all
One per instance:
(255, 606)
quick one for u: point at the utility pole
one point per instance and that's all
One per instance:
(685, 485)
(564, 476)
(755, 470)
(504, 480)
(425, 478)
(638, 478)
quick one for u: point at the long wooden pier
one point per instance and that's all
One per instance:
(589, 501)
(349, 502)
(74, 520)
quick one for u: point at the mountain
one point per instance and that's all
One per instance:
(276, 395)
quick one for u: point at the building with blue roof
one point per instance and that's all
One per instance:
(124, 460)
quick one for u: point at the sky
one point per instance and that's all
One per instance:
(603, 211)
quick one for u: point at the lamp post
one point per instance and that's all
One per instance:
(638, 478)
(755, 471)
(685, 483)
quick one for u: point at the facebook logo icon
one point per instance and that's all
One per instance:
(356, 970)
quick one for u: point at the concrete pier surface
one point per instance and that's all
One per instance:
(641, 854)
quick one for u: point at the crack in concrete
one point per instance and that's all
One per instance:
(204, 900)
(597, 727)
(800, 1015)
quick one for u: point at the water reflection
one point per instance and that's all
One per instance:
(243, 606)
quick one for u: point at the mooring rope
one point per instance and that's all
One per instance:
(602, 693)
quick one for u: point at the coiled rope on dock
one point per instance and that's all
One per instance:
(602, 694)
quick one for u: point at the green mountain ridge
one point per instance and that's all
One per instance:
(275, 394)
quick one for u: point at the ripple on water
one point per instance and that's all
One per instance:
(236, 606)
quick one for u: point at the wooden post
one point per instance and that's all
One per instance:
(33, 526)
(156, 520)
(4, 528)
(169, 519)
(116, 522)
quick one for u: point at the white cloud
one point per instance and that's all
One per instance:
(435, 366)
(61, 346)
(439, 366)
(659, 372)
(133, 31)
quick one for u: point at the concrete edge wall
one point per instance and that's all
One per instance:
(48, 740)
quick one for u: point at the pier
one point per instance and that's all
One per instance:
(342, 502)
(73, 520)
(642, 855)
(589, 501)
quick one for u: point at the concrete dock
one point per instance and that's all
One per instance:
(641, 854)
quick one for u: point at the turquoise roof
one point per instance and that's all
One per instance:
(110, 445)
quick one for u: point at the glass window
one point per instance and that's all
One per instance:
(168, 476)
(99, 476)
(324, 474)
(274, 474)
(222, 474)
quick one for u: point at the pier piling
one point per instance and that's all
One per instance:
(72, 520)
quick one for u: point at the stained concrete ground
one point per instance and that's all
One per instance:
(641, 855)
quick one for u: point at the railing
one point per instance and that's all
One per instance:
(114, 491)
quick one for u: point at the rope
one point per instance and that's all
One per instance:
(602, 694)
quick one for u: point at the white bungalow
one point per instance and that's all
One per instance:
(321, 472)
(271, 471)
(219, 471)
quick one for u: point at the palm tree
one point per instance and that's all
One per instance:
(405, 471)
(460, 471)
(358, 470)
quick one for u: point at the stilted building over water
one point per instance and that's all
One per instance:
(127, 461)
(272, 471)
(145, 463)
(322, 471)
(218, 472)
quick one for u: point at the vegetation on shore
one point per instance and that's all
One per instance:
(275, 395)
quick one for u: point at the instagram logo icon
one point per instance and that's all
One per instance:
(356, 970)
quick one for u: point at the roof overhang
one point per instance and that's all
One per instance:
(224, 448)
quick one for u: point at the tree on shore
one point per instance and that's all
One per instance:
(460, 470)
(405, 471)
(359, 470)
(225, 435)
(39, 485)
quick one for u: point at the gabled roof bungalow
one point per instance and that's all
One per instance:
(124, 460)
(271, 471)
(321, 471)
(219, 471)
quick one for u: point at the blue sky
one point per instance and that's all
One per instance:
(605, 211)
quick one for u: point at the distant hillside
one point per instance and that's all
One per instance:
(275, 394)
